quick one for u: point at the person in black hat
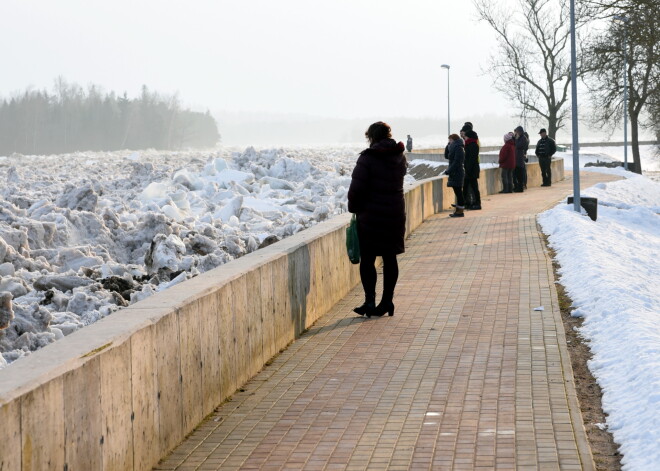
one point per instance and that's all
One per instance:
(545, 149)
(471, 193)
(519, 174)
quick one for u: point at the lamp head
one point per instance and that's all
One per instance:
(445, 66)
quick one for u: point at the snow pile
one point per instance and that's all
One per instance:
(84, 234)
(611, 272)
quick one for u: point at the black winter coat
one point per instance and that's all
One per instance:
(376, 196)
(456, 169)
(522, 144)
(546, 147)
(471, 156)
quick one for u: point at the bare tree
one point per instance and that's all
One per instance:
(605, 58)
(532, 64)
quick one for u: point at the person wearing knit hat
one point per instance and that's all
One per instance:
(507, 162)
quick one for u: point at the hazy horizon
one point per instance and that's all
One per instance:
(262, 67)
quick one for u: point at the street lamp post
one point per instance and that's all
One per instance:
(445, 66)
(574, 102)
(624, 20)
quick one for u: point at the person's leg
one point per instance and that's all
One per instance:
(466, 192)
(546, 171)
(507, 173)
(368, 277)
(544, 178)
(514, 178)
(460, 201)
(390, 277)
(518, 178)
(475, 191)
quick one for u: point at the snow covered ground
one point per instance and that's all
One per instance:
(611, 270)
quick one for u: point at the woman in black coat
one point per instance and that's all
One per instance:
(471, 184)
(376, 197)
(456, 172)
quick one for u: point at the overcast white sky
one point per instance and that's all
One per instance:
(331, 58)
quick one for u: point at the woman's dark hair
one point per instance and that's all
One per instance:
(378, 131)
(454, 137)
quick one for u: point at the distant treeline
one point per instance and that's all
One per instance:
(74, 119)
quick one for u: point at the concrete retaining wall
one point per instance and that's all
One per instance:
(121, 393)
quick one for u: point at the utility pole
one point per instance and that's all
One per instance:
(445, 66)
(574, 103)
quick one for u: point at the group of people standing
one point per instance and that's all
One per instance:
(513, 159)
(376, 195)
(462, 152)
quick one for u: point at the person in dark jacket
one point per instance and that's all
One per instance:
(471, 184)
(409, 144)
(456, 172)
(526, 160)
(507, 162)
(522, 144)
(376, 197)
(545, 149)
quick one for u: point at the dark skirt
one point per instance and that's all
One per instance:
(386, 241)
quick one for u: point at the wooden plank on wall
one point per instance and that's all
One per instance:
(116, 408)
(227, 341)
(144, 388)
(82, 416)
(210, 349)
(10, 436)
(254, 318)
(242, 327)
(191, 359)
(268, 312)
(170, 396)
(42, 427)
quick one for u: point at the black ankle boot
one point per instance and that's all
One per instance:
(369, 305)
(385, 307)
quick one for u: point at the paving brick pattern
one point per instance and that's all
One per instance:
(466, 375)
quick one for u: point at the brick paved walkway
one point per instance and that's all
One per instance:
(466, 375)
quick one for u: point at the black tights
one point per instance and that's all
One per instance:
(368, 275)
(460, 201)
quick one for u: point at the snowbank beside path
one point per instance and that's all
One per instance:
(611, 271)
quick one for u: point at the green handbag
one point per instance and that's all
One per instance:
(352, 241)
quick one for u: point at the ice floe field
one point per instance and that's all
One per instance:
(84, 234)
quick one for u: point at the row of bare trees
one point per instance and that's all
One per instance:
(532, 63)
(71, 118)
